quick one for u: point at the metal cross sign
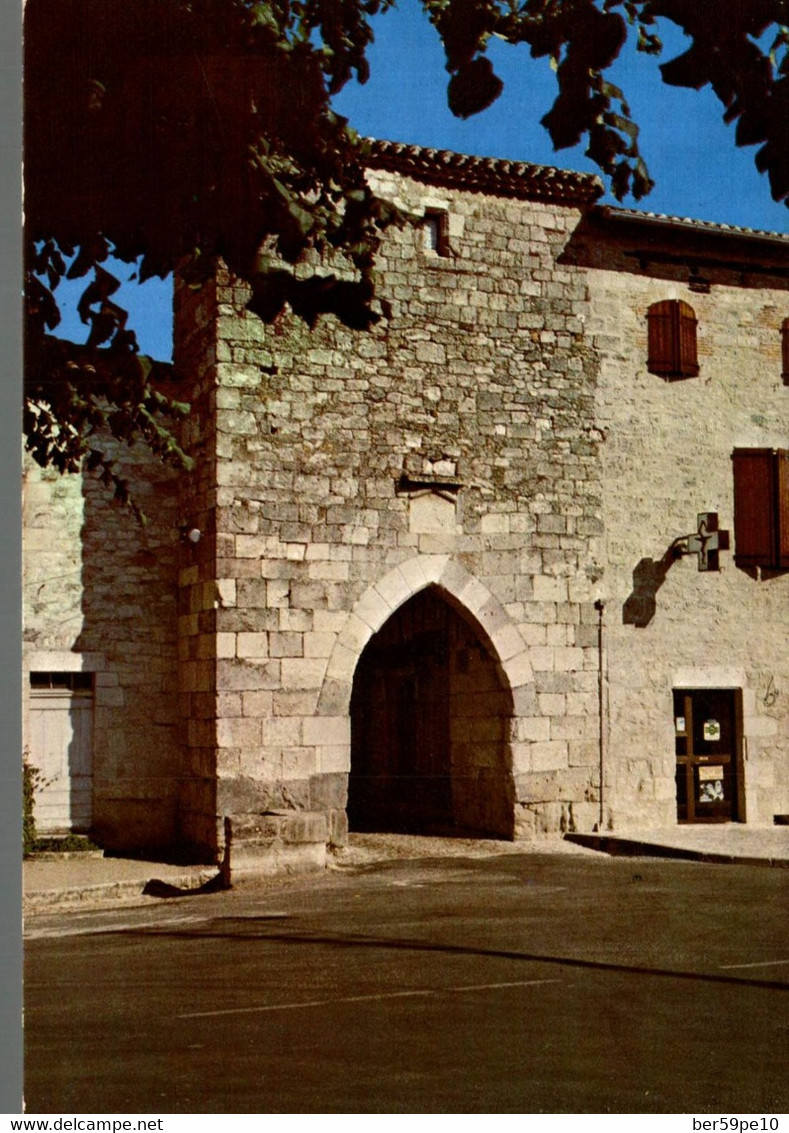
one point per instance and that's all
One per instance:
(707, 541)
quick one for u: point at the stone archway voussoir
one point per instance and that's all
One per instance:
(384, 597)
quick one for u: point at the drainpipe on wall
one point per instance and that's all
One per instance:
(600, 607)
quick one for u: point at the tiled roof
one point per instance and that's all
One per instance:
(684, 222)
(531, 182)
(486, 174)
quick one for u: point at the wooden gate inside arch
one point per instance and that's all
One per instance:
(430, 718)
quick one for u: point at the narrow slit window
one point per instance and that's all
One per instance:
(435, 232)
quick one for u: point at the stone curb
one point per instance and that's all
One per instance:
(108, 892)
(130, 891)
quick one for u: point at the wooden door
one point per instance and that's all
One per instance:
(400, 751)
(60, 743)
(707, 729)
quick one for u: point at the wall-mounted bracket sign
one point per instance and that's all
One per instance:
(707, 542)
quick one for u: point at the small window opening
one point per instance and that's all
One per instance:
(435, 232)
(785, 351)
(73, 682)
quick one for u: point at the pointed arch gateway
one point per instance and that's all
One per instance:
(432, 667)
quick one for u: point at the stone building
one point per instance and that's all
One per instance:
(515, 560)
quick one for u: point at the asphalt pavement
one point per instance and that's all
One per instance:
(93, 880)
(519, 982)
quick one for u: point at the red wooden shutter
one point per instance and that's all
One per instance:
(688, 360)
(782, 508)
(661, 338)
(753, 512)
(672, 339)
(761, 507)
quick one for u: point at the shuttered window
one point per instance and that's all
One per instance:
(761, 507)
(672, 339)
(785, 350)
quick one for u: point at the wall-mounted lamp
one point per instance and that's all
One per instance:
(191, 534)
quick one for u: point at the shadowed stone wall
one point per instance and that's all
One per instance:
(100, 599)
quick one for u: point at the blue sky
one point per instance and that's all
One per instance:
(689, 150)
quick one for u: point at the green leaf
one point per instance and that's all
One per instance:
(473, 88)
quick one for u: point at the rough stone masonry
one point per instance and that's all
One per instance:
(410, 600)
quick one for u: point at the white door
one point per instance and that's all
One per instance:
(61, 747)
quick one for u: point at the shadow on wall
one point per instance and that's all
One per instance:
(60, 726)
(649, 575)
(129, 580)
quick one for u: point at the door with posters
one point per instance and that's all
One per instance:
(709, 775)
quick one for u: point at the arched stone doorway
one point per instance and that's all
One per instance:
(430, 723)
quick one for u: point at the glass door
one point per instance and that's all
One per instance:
(707, 747)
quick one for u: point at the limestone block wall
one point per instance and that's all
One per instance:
(100, 598)
(196, 589)
(332, 447)
(495, 439)
(667, 457)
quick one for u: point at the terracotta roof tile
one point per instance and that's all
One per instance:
(485, 174)
(680, 222)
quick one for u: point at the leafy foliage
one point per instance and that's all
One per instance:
(169, 133)
(582, 38)
(172, 132)
(32, 780)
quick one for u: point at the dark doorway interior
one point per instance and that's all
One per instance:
(430, 723)
(707, 725)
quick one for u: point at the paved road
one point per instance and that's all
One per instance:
(518, 984)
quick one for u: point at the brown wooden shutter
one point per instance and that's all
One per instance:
(761, 507)
(785, 351)
(782, 508)
(753, 514)
(672, 339)
(661, 338)
(686, 336)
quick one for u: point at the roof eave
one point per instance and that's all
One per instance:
(485, 174)
(678, 224)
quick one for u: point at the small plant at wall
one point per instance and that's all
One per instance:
(32, 780)
(66, 844)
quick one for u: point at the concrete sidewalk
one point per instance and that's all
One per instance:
(724, 843)
(81, 880)
(93, 881)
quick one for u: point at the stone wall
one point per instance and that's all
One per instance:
(198, 592)
(666, 457)
(334, 450)
(100, 599)
(495, 444)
